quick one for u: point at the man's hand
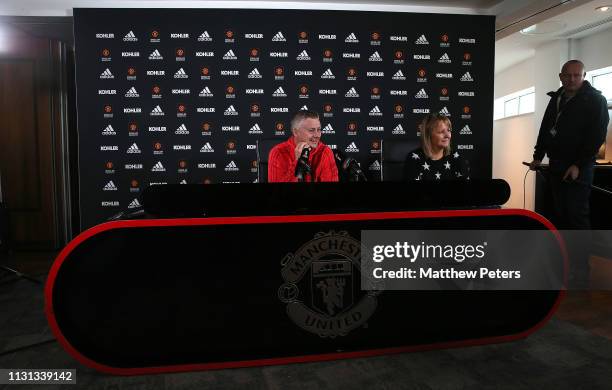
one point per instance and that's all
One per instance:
(571, 173)
(298, 149)
(535, 164)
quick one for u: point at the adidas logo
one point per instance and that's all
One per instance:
(157, 111)
(110, 186)
(130, 37)
(328, 129)
(109, 130)
(230, 111)
(133, 149)
(231, 167)
(158, 167)
(135, 203)
(183, 181)
(229, 55)
(107, 74)
(445, 59)
(465, 130)
(207, 148)
(155, 55)
(204, 37)
(278, 37)
(255, 129)
(254, 74)
(422, 40)
(421, 94)
(467, 77)
(182, 130)
(375, 111)
(351, 93)
(375, 166)
(444, 111)
(352, 148)
(205, 92)
(375, 57)
(398, 130)
(132, 93)
(180, 74)
(399, 75)
(328, 74)
(279, 92)
(303, 56)
(351, 38)
(304, 107)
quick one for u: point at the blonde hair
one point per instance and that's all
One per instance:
(427, 126)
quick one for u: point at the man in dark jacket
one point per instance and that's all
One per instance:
(573, 128)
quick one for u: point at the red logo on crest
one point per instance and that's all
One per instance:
(154, 34)
(303, 35)
(399, 54)
(180, 53)
(467, 56)
(279, 71)
(303, 89)
(105, 52)
(444, 91)
(205, 71)
(375, 36)
(108, 109)
(280, 126)
(109, 165)
(229, 34)
(351, 72)
(134, 183)
(254, 52)
(206, 126)
(352, 126)
(375, 144)
(327, 53)
(157, 146)
(133, 127)
(255, 107)
(398, 108)
(375, 91)
(231, 145)
(131, 71)
(156, 89)
(327, 108)
(229, 90)
(466, 109)
(444, 38)
(183, 164)
(422, 72)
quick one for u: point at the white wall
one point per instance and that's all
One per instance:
(594, 50)
(519, 76)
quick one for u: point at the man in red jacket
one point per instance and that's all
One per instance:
(284, 157)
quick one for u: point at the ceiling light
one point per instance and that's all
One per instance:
(545, 27)
(603, 8)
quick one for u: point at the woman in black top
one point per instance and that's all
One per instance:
(435, 160)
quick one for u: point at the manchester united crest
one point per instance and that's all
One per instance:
(322, 286)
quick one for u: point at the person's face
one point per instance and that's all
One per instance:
(572, 76)
(440, 136)
(308, 131)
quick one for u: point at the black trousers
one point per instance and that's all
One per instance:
(572, 216)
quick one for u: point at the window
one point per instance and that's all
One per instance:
(517, 103)
(602, 79)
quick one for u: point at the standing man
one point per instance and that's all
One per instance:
(573, 128)
(285, 157)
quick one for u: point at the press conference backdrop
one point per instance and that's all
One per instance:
(182, 95)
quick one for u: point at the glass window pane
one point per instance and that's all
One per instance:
(498, 109)
(511, 107)
(527, 103)
(604, 84)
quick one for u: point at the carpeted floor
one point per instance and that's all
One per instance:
(561, 355)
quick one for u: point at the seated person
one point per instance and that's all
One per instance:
(434, 160)
(284, 157)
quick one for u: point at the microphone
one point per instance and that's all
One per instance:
(350, 165)
(302, 167)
